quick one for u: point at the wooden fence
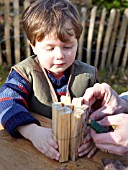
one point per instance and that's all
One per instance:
(104, 38)
(103, 43)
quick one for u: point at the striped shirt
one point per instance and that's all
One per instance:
(14, 103)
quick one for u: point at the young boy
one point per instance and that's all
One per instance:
(53, 29)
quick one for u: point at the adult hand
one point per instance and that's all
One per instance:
(110, 103)
(116, 141)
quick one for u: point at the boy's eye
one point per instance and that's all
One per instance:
(49, 49)
(68, 47)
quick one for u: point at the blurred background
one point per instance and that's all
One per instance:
(104, 42)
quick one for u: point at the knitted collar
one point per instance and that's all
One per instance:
(62, 80)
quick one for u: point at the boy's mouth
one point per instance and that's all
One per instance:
(59, 64)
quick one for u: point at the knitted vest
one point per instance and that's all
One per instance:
(42, 92)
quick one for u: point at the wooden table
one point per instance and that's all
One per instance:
(19, 154)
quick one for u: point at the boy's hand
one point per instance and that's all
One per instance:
(42, 139)
(88, 147)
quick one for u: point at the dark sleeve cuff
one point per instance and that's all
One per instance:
(19, 120)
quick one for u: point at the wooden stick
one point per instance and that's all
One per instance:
(68, 121)
(63, 119)
(65, 100)
(56, 107)
(61, 128)
(78, 126)
(76, 130)
(77, 102)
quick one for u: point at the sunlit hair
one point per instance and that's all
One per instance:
(43, 17)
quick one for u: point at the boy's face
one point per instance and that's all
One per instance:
(54, 55)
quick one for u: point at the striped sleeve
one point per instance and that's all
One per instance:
(14, 98)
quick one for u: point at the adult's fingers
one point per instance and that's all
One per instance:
(114, 149)
(94, 93)
(107, 138)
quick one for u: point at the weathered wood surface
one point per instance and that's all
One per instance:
(20, 154)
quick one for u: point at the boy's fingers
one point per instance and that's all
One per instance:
(53, 154)
(87, 138)
(92, 132)
(92, 152)
(53, 143)
(84, 149)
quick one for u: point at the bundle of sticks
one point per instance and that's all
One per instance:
(68, 126)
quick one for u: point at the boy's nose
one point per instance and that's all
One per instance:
(58, 52)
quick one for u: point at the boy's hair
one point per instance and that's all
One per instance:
(44, 16)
